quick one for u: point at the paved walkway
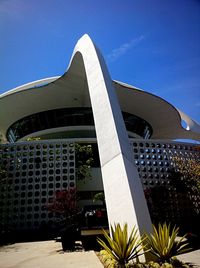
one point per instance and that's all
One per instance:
(191, 257)
(47, 254)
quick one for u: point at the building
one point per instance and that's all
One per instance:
(65, 110)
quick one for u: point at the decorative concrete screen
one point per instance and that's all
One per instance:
(35, 170)
(163, 188)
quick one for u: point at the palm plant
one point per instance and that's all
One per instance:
(165, 244)
(121, 246)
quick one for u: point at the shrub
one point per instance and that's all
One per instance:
(163, 243)
(121, 247)
(107, 260)
(175, 263)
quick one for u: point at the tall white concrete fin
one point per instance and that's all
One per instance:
(124, 195)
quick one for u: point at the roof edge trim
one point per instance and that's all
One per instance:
(37, 83)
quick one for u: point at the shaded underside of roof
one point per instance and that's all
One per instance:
(71, 90)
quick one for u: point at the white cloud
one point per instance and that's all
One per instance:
(13, 7)
(118, 52)
(197, 104)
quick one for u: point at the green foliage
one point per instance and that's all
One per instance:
(188, 172)
(3, 169)
(120, 246)
(153, 264)
(107, 260)
(179, 264)
(99, 197)
(1, 138)
(33, 139)
(3, 173)
(164, 243)
(175, 263)
(84, 160)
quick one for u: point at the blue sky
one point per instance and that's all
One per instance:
(152, 44)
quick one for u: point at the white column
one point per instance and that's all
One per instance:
(124, 195)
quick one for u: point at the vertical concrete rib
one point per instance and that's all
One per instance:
(124, 195)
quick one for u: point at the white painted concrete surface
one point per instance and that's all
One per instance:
(124, 195)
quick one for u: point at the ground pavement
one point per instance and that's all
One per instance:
(49, 254)
(192, 257)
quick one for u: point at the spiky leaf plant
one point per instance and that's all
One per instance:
(164, 243)
(121, 246)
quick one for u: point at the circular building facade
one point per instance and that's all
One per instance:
(41, 122)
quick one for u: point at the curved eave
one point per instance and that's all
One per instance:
(34, 84)
(71, 90)
(164, 118)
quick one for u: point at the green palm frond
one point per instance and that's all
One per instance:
(163, 242)
(121, 246)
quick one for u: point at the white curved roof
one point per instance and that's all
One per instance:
(71, 90)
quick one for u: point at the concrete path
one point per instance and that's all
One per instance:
(191, 257)
(47, 254)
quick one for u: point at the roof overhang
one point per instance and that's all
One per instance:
(71, 90)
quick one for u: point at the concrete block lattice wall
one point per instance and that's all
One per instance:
(166, 198)
(35, 170)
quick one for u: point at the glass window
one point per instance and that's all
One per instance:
(79, 116)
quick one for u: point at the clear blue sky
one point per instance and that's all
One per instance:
(152, 44)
